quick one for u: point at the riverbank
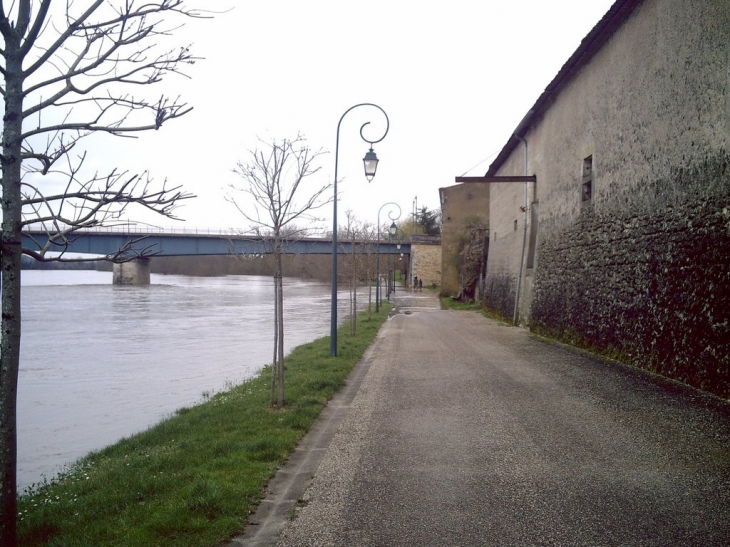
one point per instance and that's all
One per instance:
(173, 342)
(193, 479)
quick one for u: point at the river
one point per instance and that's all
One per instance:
(101, 362)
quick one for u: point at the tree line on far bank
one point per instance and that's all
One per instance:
(318, 267)
(310, 266)
(28, 263)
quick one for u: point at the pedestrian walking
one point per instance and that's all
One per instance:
(415, 282)
(420, 284)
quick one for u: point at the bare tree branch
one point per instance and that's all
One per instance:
(67, 72)
(271, 179)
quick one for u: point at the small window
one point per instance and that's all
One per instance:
(495, 236)
(515, 225)
(588, 167)
(587, 190)
(587, 179)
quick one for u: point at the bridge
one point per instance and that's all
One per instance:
(134, 245)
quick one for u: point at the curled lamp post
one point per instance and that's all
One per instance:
(397, 234)
(391, 231)
(399, 242)
(370, 162)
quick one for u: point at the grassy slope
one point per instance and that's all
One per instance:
(192, 479)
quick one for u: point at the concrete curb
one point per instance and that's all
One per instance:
(293, 478)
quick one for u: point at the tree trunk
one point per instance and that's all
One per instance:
(354, 293)
(10, 287)
(279, 304)
(351, 287)
(275, 360)
(369, 281)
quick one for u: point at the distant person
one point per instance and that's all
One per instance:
(415, 282)
(420, 284)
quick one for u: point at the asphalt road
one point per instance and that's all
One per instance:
(467, 432)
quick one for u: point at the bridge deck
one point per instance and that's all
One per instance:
(188, 244)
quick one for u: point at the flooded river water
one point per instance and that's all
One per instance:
(101, 362)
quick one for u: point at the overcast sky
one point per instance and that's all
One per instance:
(455, 79)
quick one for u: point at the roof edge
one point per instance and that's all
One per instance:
(601, 33)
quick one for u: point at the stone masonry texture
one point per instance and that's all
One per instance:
(641, 271)
(652, 289)
(459, 205)
(426, 261)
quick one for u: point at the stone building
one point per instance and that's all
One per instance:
(425, 260)
(622, 242)
(461, 206)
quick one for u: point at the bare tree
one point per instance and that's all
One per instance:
(358, 264)
(368, 238)
(272, 178)
(66, 73)
(348, 234)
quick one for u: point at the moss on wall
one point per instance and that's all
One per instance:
(648, 285)
(499, 295)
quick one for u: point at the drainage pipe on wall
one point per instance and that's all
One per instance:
(516, 316)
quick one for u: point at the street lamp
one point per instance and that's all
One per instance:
(391, 231)
(370, 162)
(398, 234)
(397, 246)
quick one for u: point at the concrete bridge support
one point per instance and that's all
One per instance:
(134, 272)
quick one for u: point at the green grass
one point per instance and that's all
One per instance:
(193, 479)
(454, 304)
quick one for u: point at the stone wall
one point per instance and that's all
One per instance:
(460, 205)
(426, 259)
(506, 226)
(652, 289)
(641, 269)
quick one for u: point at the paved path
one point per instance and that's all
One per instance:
(466, 432)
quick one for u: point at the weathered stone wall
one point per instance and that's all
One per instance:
(641, 270)
(499, 293)
(651, 288)
(506, 226)
(426, 260)
(459, 205)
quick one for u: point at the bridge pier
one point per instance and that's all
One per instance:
(134, 272)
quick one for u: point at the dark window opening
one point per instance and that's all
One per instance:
(587, 190)
(587, 179)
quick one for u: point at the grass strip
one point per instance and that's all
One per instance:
(454, 304)
(193, 479)
(448, 302)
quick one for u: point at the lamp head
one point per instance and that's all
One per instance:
(393, 228)
(371, 164)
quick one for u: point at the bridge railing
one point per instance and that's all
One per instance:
(141, 228)
(151, 229)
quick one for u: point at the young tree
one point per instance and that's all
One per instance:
(67, 71)
(368, 238)
(348, 234)
(272, 177)
(357, 265)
